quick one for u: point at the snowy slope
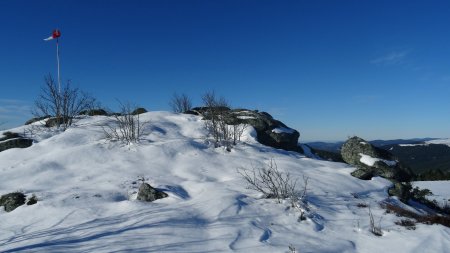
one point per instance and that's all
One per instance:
(86, 186)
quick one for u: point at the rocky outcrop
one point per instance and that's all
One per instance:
(12, 200)
(94, 112)
(372, 161)
(14, 140)
(148, 193)
(139, 111)
(270, 131)
(33, 120)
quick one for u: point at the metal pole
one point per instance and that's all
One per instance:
(57, 60)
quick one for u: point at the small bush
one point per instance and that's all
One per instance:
(407, 223)
(127, 127)
(429, 219)
(375, 229)
(362, 205)
(180, 103)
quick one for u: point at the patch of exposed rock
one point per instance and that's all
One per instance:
(270, 132)
(12, 200)
(14, 140)
(148, 193)
(371, 161)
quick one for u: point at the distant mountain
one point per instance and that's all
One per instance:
(381, 143)
(326, 146)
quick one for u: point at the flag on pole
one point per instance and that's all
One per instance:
(56, 34)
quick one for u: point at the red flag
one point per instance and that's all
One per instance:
(56, 34)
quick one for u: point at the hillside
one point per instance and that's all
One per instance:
(86, 189)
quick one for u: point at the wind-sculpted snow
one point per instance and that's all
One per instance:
(86, 188)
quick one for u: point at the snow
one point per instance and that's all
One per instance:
(245, 117)
(439, 141)
(370, 161)
(280, 130)
(87, 186)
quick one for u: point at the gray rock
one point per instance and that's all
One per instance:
(139, 111)
(351, 153)
(12, 200)
(148, 193)
(14, 140)
(94, 112)
(53, 122)
(269, 131)
(31, 121)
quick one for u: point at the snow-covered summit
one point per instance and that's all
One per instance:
(86, 186)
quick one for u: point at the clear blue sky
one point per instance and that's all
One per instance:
(330, 69)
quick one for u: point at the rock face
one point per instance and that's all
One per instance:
(11, 201)
(31, 121)
(372, 161)
(94, 112)
(269, 131)
(14, 140)
(139, 111)
(149, 194)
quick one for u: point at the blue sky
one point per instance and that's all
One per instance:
(330, 69)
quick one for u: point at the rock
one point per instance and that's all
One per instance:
(372, 161)
(33, 200)
(94, 112)
(33, 120)
(14, 140)
(139, 111)
(52, 122)
(269, 131)
(149, 194)
(11, 201)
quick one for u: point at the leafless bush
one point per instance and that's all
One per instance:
(429, 219)
(376, 230)
(407, 223)
(236, 132)
(271, 182)
(216, 109)
(216, 114)
(180, 103)
(62, 104)
(127, 127)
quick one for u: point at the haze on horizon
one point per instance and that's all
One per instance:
(330, 69)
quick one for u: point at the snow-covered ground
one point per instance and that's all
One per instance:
(87, 185)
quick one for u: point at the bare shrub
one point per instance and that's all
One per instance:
(62, 104)
(429, 219)
(376, 230)
(216, 109)
(270, 181)
(127, 127)
(362, 205)
(236, 131)
(407, 223)
(180, 103)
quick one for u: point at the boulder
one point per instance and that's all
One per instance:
(12, 200)
(14, 140)
(269, 131)
(372, 161)
(148, 193)
(139, 111)
(36, 119)
(55, 121)
(94, 112)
